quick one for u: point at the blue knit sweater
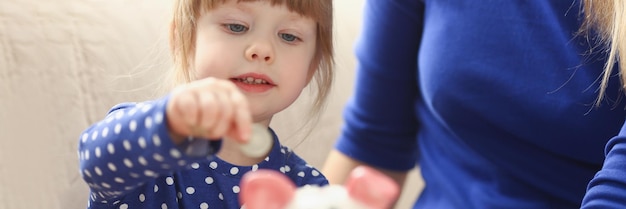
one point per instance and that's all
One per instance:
(493, 99)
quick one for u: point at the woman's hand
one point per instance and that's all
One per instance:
(208, 108)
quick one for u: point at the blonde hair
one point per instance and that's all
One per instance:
(183, 28)
(608, 19)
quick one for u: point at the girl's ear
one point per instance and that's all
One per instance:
(266, 189)
(372, 188)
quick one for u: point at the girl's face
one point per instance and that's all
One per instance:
(267, 51)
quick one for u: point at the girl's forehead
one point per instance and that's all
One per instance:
(313, 9)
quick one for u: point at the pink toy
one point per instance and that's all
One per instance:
(365, 188)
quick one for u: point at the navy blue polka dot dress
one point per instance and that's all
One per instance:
(129, 161)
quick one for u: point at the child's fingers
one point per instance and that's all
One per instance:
(242, 117)
(209, 111)
(183, 112)
(213, 109)
(225, 118)
(188, 107)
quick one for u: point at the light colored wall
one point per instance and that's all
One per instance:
(64, 63)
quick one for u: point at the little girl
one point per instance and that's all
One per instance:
(237, 62)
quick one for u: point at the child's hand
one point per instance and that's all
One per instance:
(208, 108)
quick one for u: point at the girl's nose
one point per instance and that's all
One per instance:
(260, 52)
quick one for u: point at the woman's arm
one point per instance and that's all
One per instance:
(338, 166)
(607, 189)
(380, 123)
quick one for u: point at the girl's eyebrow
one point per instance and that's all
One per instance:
(292, 18)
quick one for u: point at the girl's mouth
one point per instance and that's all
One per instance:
(251, 80)
(253, 83)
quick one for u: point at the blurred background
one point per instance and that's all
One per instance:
(64, 63)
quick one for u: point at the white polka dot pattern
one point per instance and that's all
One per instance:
(129, 161)
(118, 128)
(195, 165)
(132, 126)
(190, 190)
(208, 180)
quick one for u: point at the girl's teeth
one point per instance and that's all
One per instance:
(251, 80)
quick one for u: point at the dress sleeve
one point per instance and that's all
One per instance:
(380, 124)
(607, 189)
(132, 146)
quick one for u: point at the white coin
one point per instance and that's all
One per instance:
(260, 142)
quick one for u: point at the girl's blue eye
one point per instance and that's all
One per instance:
(237, 28)
(288, 37)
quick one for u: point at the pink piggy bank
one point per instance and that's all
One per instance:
(365, 188)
